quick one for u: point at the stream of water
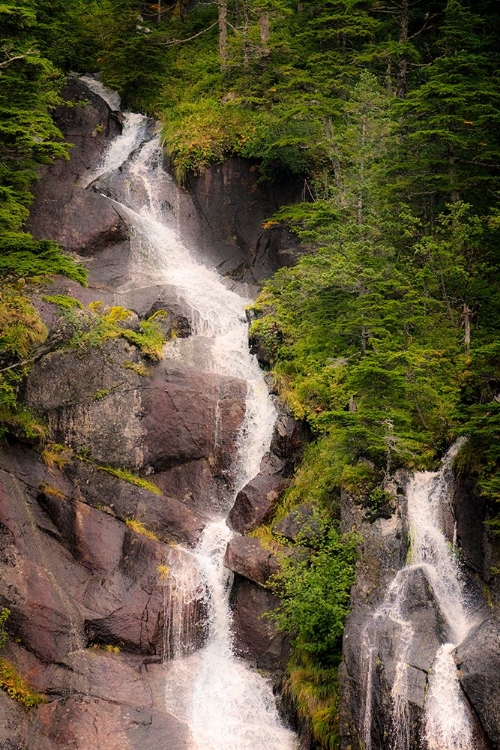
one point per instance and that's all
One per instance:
(447, 722)
(225, 704)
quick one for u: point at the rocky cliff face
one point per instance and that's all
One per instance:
(368, 677)
(86, 589)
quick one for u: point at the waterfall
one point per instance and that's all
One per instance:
(447, 724)
(225, 704)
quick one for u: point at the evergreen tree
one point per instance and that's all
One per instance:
(452, 117)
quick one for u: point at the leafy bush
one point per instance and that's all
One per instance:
(315, 590)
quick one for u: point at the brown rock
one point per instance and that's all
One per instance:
(169, 518)
(300, 524)
(87, 723)
(248, 558)
(71, 574)
(255, 635)
(255, 503)
(13, 724)
(92, 401)
(190, 415)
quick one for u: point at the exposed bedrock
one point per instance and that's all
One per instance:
(80, 220)
(228, 209)
(384, 553)
(77, 581)
(176, 419)
(80, 582)
(478, 659)
(255, 635)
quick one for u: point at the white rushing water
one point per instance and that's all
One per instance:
(447, 723)
(225, 704)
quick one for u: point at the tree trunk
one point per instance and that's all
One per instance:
(223, 54)
(264, 32)
(404, 23)
(467, 315)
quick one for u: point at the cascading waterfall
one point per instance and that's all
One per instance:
(224, 703)
(447, 723)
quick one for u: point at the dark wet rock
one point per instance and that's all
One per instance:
(422, 612)
(383, 553)
(190, 415)
(472, 536)
(166, 516)
(255, 636)
(63, 210)
(255, 503)
(248, 558)
(478, 659)
(289, 438)
(227, 211)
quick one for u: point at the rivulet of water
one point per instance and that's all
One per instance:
(447, 724)
(225, 704)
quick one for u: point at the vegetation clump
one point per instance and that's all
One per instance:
(131, 478)
(139, 528)
(11, 681)
(16, 686)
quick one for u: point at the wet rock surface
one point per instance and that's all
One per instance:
(99, 406)
(256, 637)
(248, 558)
(255, 503)
(478, 659)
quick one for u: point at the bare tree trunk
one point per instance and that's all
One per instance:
(246, 25)
(404, 23)
(467, 315)
(223, 53)
(264, 32)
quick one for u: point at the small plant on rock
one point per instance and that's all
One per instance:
(128, 476)
(139, 528)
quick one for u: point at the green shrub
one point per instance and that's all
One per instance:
(315, 592)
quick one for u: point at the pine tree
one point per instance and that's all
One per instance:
(452, 117)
